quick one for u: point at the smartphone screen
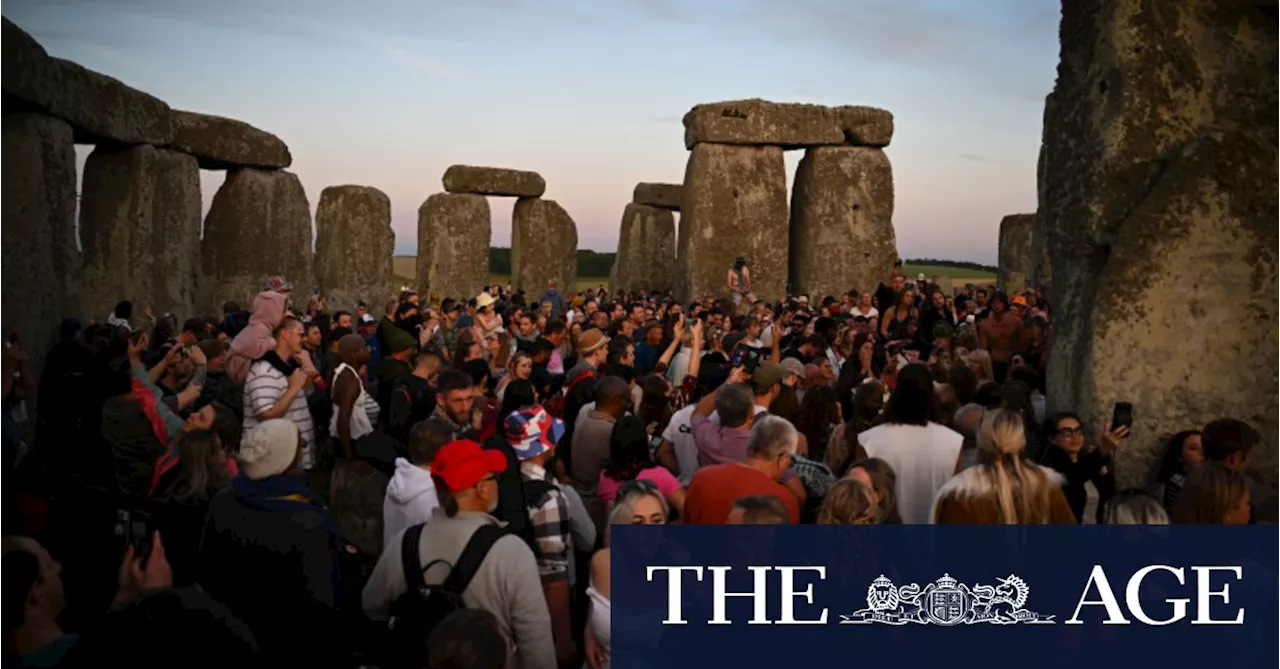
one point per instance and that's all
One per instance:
(1122, 416)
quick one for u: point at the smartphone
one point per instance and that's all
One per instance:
(134, 528)
(690, 322)
(746, 357)
(1122, 416)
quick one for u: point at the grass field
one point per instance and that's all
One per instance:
(404, 269)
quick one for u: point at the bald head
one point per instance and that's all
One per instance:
(611, 394)
(350, 347)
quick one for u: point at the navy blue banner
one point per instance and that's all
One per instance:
(944, 596)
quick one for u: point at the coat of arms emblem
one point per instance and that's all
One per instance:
(947, 602)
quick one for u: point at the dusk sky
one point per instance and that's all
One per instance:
(589, 93)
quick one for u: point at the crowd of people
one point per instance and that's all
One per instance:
(433, 485)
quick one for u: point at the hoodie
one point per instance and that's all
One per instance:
(411, 496)
(255, 340)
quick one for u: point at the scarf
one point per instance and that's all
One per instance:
(284, 367)
(284, 494)
(147, 401)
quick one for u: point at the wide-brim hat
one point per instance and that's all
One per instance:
(485, 300)
(532, 431)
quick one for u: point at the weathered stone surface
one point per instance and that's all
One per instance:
(841, 221)
(259, 225)
(41, 264)
(454, 231)
(664, 196)
(493, 181)
(97, 106)
(1041, 267)
(735, 204)
(865, 126)
(221, 143)
(646, 250)
(354, 246)
(140, 229)
(1015, 252)
(544, 246)
(759, 122)
(1160, 199)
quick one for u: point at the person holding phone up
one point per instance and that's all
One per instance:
(1089, 473)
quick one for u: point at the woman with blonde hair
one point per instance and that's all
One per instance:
(519, 368)
(637, 503)
(979, 361)
(1003, 488)
(849, 502)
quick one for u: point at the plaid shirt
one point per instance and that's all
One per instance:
(550, 521)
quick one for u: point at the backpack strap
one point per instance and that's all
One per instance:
(410, 559)
(471, 558)
(534, 489)
(582, 376)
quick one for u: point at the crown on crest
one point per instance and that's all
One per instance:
(882, 581)
(946, 581)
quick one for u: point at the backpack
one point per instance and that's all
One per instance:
(556, 405)
(415, 613)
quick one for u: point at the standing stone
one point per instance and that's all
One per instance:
(454, 230)
(221, 143)
(664, 196)
(354, 246)
(259, 225)
(1041, 267)
(646, 250)
(98, 107)
(1160, 201)
(493, 181)
(544, 246)
(41, 264)
(1015, 252)
(735, 204)
(841, 221)
(140, 227)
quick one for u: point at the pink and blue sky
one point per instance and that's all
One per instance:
(388, 93)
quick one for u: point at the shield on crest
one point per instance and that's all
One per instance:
(946, 606)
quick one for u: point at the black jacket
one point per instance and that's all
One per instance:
(275, 571)
(1090, 466)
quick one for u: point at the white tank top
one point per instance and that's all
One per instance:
(363, 414)
(599, 620)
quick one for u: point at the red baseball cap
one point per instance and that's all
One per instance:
(463, 463)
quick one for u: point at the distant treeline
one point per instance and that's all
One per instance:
(596, 264)
(590, 263)
(962, 264)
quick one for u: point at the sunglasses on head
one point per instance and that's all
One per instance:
(636, 486)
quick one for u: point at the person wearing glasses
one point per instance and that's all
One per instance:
(1090, 475)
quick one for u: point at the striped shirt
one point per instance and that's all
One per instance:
(266, 384)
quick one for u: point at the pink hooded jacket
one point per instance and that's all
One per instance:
(255, 340)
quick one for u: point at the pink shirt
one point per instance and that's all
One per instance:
(607, 490)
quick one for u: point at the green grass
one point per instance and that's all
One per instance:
(911, 271)
(403, 267)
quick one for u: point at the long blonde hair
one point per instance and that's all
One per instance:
(1024, 491)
